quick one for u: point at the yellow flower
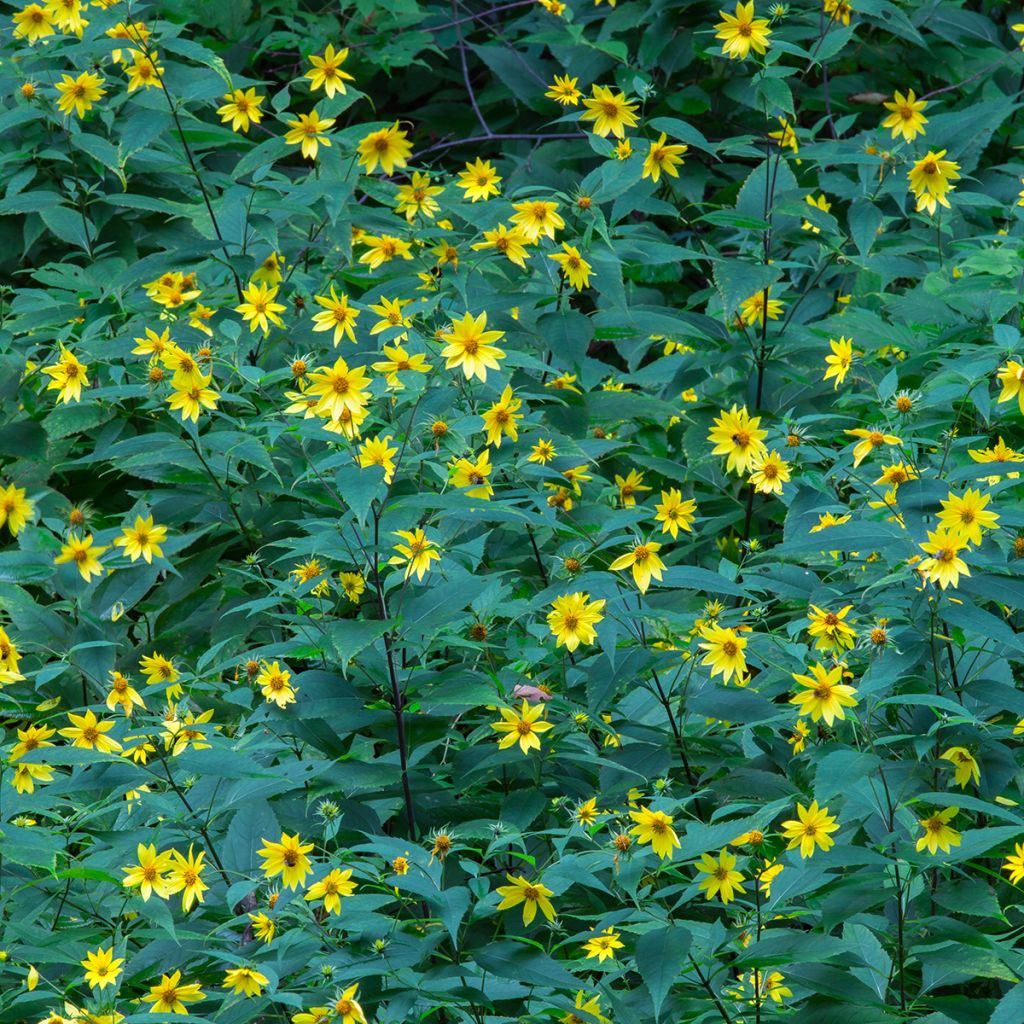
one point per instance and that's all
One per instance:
(1011, 377)
(722, 877)
(737, 435)
(537, 217)
(830, 630)
(377, 451)
(938, 833)
(944, 564)
(331, 888)
(339, 316)
(501, 419)
(388, 147)
(674, 513)
(77, 95)
(906, 118)
(473, 475)
(184, 877)
(587, 813)
(725, 652)
(869, 441)
(190, 399)
(346, 1009)
(144, 72)
(611, 112)
(896, 474)
(839, 362)
(931, 178)
(511, 244)
(34, 737)
(123, 694)
(798, 739)
(825, 695)
(966, 767)
(785, 136)
(838, 10)
(275, 684)
(811, 829)
(170, 996)
(563, 90)
(339, 389)
(521, 728)
(1015, 864)
(382, 249)
(575, 269)
(326, 72)
(821, 203)
(15, 508)
(470, 346)
(654, 827)
(149, 873)
(245, 981)
(662, 158)
(754, 309)
(418, 197)
(269, 271)
(309, 133)
(742, 32)
(768, 473)
(32, 23)
(542, 452)
(591, 1007)
(258, 308)
(967, 515)
(101, 968)
(479, 180)
(770, 872)
(287, 859)
(416, 553)
(353, 585)
(532, 896)
(263, 926)
(572, 619)
(603, 945)
(83, 554)
(645, 563)
(69, 377)
(242, 109)
(628, 486)
(142, 540)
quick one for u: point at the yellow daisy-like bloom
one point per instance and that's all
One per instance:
(643, 559)
(242, 109)
(416, 553)
(346, 1009)
(68, 377)
(742, 32)
(338, 316)
(537, 217)
(148, 874)
(502, 418)
(839, 362)
(611, 112)
(968, 516)
(603, 945)
(101, 968)
(830, 629)
(825, 695)
(275, 684)
(723, 880)
(821, 203)
(759, 305)
(931, 178)
(737, 435)
(399, 360)
(170, 996)
(339, 389)
(388, 147)
(381, 249)
(418, 197)
(663, 158)
(144, 72)
(258, 307)
(542, 452)
(896, 474)
(470, 346)
(142, 540)
(263, 927)
(674, 513)
(32, 23)
(287, 859)
(191, 398)
(472, 475)
(332, 888)
(563, 90)
(838, 10)
(810, 830)
(511, 243)
(532, 896)
(81, 552)
(15, 509)
(938, 833)
(906, 118)
(1015, 864)
(479, 180)
(123, 695)
(522, 727)
(944, 564)
(378, 451)
(309, 133)
(869, 441)
(185, 877)
(725, 652)
(628, 486)
(1011, 377)
(575, 269)
(655, 827)
(326, 72)
(245, 981)
(587, 812)
(77, 95)
(768, 473)
(966, 768)
(572, 619)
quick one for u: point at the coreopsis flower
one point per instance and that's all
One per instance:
(153, 344)
(654, 827)
(470, 346)
(563, 90)
(944, 564)
(326, 72)
(575, 269)
(184, 876)
(502, 418)
(938, 833)
(416, 553)
(1011, 377)
(122, 694)
(769, 873)
(338, 316)
(148, 875)
(965, 766)
(511, 243)
(737, 435)
(399, 360)
(388, 147)
(68, 376)
(837, 10)
(967, 515)
(1015, 864)
(479, 180)
(142, 540)
(77, 95)
(522, 727)
(742, 32)
(723, 879)
(27, 775)
(537, 217)
(352, 585)
(242, 109)
(158, 669)
(381, 249)
(612, 112)
(896, 474)
(245, 981)
(378, 451)
(603, 945)
(572, 619)
(798, 738)
(101, 968)
(309, 132)
(674, 513)
(785, 136)
(645, 563)
(906, 118)
(169, 995)
(869, 441)
(931, 178)
(191, 398)
(15, 509)
(258, 307)
(725, 652)
(144, 72)
(81, 552)
(180, 734)
(287, 859)
(335, 885)
(628, 486)
(830, 630)
(564, 382)
(810, 830)
(587, 813)
(198, 317)
(591, 1006)
(758, 306)
(67, 15)
(663, 158)
(346, 1009)
(32, 23)
(532, 895)
(839, 362)
(184, 366)
(821, 203)
(338, 388)
(825, 694)
(270, 270)
(418, 197)
(472, 475)
(263, 927)
(769, 471)
(275, 684)
(623, 149)
(33, 737)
